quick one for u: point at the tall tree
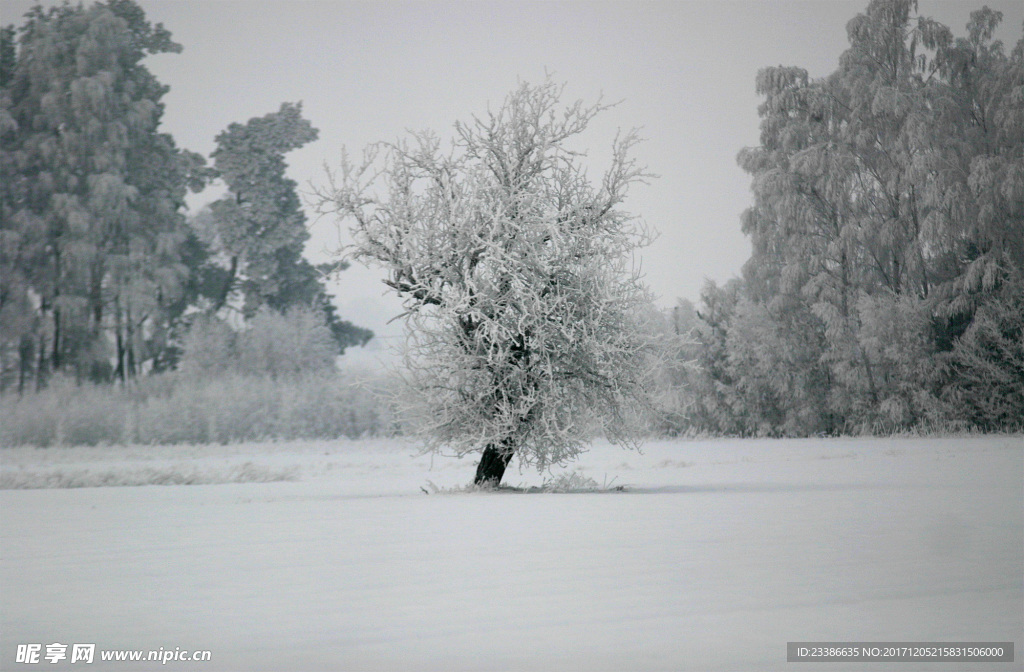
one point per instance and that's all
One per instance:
(93, 208)
(716, 405)
(259, 226)
(973, 170)
(520, 302)
(887, 204)
(17, 319)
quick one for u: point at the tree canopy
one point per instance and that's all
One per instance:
(93, 191)
(521, 303)
(887, 228)
(99, 267)
(259, 225)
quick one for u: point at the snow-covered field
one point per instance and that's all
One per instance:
(329, 556)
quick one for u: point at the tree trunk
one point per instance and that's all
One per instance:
(225, 291)
(26, 353)
(119, 371)
(129, 344)
(41, 370)
(492, 465)
(56, 341)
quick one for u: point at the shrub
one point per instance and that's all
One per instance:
(286, 345)
(895, 336)
(63, 415)
(293, 344)
(175, 408)
(209, 348)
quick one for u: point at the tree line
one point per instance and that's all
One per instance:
(885, 291)
(886, 286)
(102, 272)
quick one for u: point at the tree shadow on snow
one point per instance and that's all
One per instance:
(740, 488)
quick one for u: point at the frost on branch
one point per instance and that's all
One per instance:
(521, 303)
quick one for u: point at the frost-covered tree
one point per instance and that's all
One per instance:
(522, 305)
(91, 225)
(887, 210)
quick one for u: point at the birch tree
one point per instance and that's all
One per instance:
(521, 301)
(91, 225)
(887, 204)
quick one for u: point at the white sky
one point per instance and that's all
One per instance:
(366, 71)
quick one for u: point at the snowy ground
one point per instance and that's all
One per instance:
(716, 555)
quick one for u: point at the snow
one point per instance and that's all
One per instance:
(716, 554)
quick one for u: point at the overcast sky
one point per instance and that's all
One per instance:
(367, 71)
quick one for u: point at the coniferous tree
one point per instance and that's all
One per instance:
(986, 389)
(259, 226)
(716, 406)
